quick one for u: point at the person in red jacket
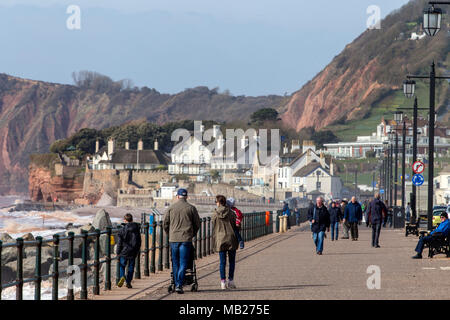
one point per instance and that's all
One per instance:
(239, 216)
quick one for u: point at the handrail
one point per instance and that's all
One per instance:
(155, 250)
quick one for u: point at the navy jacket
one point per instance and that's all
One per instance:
(322, 221)
(335, 214)
(353, 212)
(129, 241)
(376, 209)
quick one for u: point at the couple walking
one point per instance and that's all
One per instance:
(182, 223)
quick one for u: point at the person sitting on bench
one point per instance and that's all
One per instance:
(444, 228)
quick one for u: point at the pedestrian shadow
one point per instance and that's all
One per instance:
(342, 253)
(270, 288)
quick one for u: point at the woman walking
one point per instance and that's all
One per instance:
(225, 241)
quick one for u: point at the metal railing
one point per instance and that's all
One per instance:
(155, 251)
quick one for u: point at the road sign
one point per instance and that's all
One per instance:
(381, 191)
(418, 167)
(418, 180)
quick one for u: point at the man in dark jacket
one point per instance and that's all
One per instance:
(377, 212)
(353, 215)
(319, 217)
(335, 219)
(182, 223)
(128, 247)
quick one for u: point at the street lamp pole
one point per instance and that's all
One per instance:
(391, 153)
(396, 169)
(414, 190)
(403, 164)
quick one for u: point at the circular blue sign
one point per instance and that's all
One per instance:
(418, 180)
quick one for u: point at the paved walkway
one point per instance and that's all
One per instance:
(285, 266)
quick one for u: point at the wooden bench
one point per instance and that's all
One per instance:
(439, 244)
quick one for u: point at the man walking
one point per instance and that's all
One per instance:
(408, 212)
(345, 224)
(182, 223)
(128, 247)
(335, 219)
(377, 212)
(319, 217)
(353, 215)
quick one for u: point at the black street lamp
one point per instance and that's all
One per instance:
(432, 114)
(432, 18)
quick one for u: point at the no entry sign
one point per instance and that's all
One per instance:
(418, 167)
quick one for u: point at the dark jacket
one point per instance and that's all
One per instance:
(335, 215)
(129, 241)
(181, 221)
(224, 222)
(353, 212)
(322, 220)
(377, 211)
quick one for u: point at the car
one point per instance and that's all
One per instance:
(437, 215)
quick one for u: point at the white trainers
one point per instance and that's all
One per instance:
(231, 284)
(223, 285)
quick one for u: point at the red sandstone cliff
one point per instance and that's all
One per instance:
(368, 70)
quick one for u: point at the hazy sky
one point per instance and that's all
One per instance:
(251, 47)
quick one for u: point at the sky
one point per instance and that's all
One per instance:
(249, 47)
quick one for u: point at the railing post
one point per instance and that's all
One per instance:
(84, 293)
(37, 283)
(209, 235)
(19, 272)
(70, 238)
(204, 237)
(97, 263)
(152, 262)
(160, 246)
(166, 249)
(199, 241)
(55, 276)
(108, 259)
(146, 248)
(1, 245)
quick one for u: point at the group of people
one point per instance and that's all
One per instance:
(323, 219)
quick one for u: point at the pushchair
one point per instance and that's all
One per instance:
(190, 278)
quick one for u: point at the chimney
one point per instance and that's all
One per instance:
(295, 145)
(244, 142)
(111, 144)
(322, 159)
(308, 156)
(308, 144)
(331, 167)
(97, 146)
(285, 149)
(216, 131)
(156, 145)
(127, 145)
(140, 145)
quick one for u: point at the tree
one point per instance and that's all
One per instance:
(322, 137)
(266, 114)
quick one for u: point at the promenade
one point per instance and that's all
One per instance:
(285, 267)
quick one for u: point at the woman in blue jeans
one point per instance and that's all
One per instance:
(224, 240)
(335, 218)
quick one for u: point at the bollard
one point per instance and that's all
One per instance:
(280, 224)
(55, 276)
(204, 237)
(37, 283)
(108, 259)
(19, 272)
(152, 262)
(160, 246)
(84, 293)
(97, 263)
(209, 235)
(146, 252)
(166, 249)
(285, 223)
(70, 237)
